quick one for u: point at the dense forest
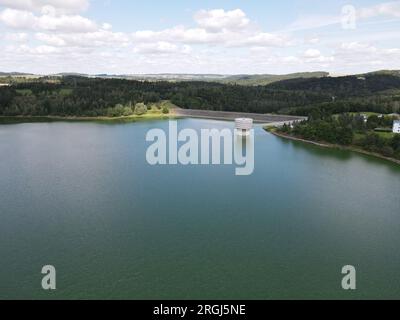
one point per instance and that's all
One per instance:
(83, 96)
(370, 93)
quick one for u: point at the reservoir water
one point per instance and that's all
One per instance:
(81, 197)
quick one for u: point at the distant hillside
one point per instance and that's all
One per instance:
(173, 77)
(247, 80)
(243, 79)
(14, 74)
(67, 74)
(384, 72)
(265, 79)
(342, 87)
(374, 92)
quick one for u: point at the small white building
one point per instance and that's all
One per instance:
(396, 126)
(365, 117)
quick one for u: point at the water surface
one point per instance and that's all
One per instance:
(81, 197)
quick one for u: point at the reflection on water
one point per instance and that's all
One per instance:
(342, 155)
(244, 153)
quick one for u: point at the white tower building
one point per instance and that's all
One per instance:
(243, 126)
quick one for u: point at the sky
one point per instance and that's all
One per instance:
(199, 37)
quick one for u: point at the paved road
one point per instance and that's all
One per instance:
(222, 115)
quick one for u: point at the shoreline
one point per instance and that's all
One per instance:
(33, 119)
(334, 146)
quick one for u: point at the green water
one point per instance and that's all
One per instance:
(81, 197)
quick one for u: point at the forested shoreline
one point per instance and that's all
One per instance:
(350, 130)
(94, 97)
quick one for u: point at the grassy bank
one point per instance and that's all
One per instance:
(34, 119)
(152, 114)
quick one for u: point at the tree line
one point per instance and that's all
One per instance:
(82, 96)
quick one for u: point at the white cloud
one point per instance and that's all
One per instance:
(158, 47)
(355, 54)
(312, 40)
(290, 59)
(16, 37)
(45, 50)
(358, 47)
(216, 27)
(38, 50)
(62, 6)
(178, 34)
(392, 51)
(17, 19)
(391, 9)
(67, 23)
(57, 38)
(106, 26)
(162, 47)
(89, 39)
(360, 52)
(219, 20)
(315, 56)
(264, 39)
(50, 39)
(312, 53)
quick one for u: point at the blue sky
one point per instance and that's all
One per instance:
(225, 37)
(127, 15)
